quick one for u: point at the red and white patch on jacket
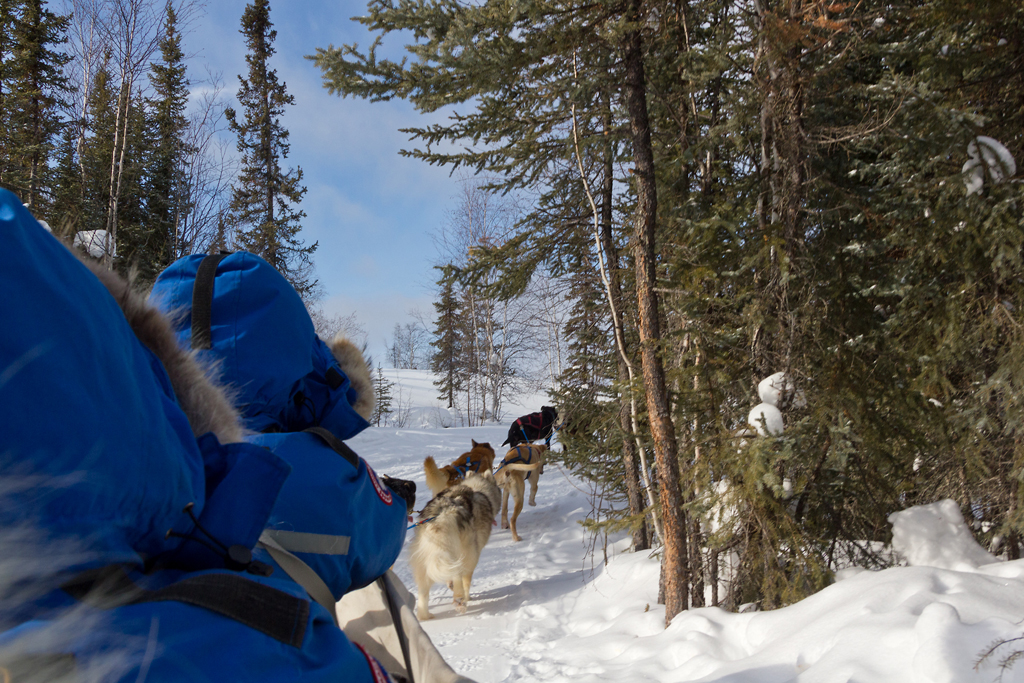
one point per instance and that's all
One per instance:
(382, 491)
(379, 674)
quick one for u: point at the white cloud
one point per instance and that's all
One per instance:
(371, 211)
(378, 314)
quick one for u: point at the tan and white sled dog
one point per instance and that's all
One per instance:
(452, 530)
(478, 459)
(525, 460)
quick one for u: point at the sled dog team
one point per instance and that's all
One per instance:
(454, 527)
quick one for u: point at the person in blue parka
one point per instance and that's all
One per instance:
(301, 398)
(131, 509)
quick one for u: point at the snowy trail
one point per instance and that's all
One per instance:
(521, 591)
(548, 610)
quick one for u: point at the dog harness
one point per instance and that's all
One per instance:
(470, 465)
(528, 460)
(536, 421)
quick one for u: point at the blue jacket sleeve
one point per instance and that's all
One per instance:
(335, 515)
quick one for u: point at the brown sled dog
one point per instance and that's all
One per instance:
(478, 459)
(525, 460)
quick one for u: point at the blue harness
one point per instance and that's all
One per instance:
(470, 465)
(547, 440)
(528, 460)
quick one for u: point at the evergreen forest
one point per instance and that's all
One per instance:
(729, 190)
(101, 142)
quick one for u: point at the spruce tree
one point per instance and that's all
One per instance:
(382, 390)
(168, 190)
(263, 208)
(39, 86)
(8, 18)
(444, 362)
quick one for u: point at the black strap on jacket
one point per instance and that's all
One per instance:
(336, 444)
(268, 610)
(202, 301)
(396, 619)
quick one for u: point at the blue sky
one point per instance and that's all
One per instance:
(372, 211)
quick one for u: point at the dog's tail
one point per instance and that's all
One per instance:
(437, 480)
(523, 466)
(501, 476)
(438, 553)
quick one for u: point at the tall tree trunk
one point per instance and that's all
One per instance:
(645, 224)
(604, 245)
(783, 160)
(641, 537)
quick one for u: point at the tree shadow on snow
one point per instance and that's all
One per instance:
(510, 598)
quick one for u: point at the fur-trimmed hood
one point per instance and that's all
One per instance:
(353, 364)
(249, 322)
(205, 403)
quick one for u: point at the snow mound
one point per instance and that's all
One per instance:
(766, 419)
(936, 536)
(429, 418)
(96, 243)
(987, 154)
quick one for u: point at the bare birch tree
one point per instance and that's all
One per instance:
(210, 168)
(132, 35)
(87, 45)
(500, 331)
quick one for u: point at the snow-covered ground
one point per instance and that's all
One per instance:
(546, 609)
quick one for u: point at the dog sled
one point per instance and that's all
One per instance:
(381, 618)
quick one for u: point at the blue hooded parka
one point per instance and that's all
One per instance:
(101, 476)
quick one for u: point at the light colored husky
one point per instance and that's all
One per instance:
(525, 460)
(453, 529)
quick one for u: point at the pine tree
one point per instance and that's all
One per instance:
(39, 87)
(168, 190)
(444, 362)
(382, 389)
(263, 201)
(8, 20)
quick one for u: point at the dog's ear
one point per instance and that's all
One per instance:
(475, 444)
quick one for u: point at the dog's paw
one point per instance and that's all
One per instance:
(460, 605)
(424, 615)
(504, 524)
(533, 503)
